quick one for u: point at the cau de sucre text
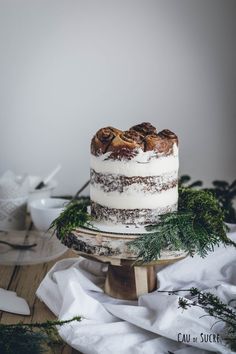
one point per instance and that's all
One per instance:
(201, 338)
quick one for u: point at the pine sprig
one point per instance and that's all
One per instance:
(164, 235)
(28, 338)
(213, 306)
(75, 215)
(206, 209)
(225, 193)
(197, 227)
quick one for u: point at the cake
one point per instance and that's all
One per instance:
(134, 174)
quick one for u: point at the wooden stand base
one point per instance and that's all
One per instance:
(129, 282)
(124, 280)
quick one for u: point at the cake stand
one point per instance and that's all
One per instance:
(125, 278)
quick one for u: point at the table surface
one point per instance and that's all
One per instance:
(24, 280)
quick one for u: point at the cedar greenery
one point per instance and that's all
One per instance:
(197, 227)
(28, 338)
(225, 193)
(74, 215)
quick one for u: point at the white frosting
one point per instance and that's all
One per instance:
(143, 165)
(132, 199)
(134, 188)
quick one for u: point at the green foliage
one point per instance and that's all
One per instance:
(75, 215)
(206, 209)
(225, 193)
(21, 341)
(184, 179)
(197, 227)
(28, 338)
(213, 306)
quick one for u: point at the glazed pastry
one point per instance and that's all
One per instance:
(102, 140)
(125, 145)
(144, 128)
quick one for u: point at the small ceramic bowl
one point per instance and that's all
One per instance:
(43, 193)
(44, 211)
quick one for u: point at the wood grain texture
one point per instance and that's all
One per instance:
(112, 246)
(129, 282)
(24, 281)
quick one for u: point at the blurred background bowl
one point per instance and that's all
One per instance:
(44, 211)
(45, 192)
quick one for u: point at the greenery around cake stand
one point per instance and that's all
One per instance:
(197, 227)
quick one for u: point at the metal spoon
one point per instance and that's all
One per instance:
(44, 182)
(80, 190)
(17, 246)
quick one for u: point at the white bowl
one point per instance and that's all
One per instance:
(44, 211)
(42, 193)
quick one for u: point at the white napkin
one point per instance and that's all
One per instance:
(13, 186)
(150, 325)
(10, 302)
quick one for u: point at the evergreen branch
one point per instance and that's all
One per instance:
(40, 325)
(28, 338)
(197, 227)
(225, 193)
(222, 190)
(75, 215)
(214, 307)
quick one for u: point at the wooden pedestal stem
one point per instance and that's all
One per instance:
(129, 282)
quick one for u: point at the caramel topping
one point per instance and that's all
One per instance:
(166, 133)
(125, 144)
(144, 128)
(159, 144)
(102, 140)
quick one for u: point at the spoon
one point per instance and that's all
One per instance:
(17, 246)
(48, 178)
(80, 190)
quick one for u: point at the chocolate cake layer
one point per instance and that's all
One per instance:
(120, 183)
(129, 216)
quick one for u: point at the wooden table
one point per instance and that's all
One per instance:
(24, 280)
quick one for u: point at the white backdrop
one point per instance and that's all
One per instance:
(69, 67)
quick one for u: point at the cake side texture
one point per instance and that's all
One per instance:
(134, 174)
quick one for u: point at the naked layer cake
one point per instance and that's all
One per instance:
(134, 174)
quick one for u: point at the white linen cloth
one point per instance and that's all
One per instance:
(150, 325)
(13, 186)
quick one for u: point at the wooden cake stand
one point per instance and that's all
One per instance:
(125, 279)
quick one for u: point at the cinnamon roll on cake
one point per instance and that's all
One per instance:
(134, 174)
